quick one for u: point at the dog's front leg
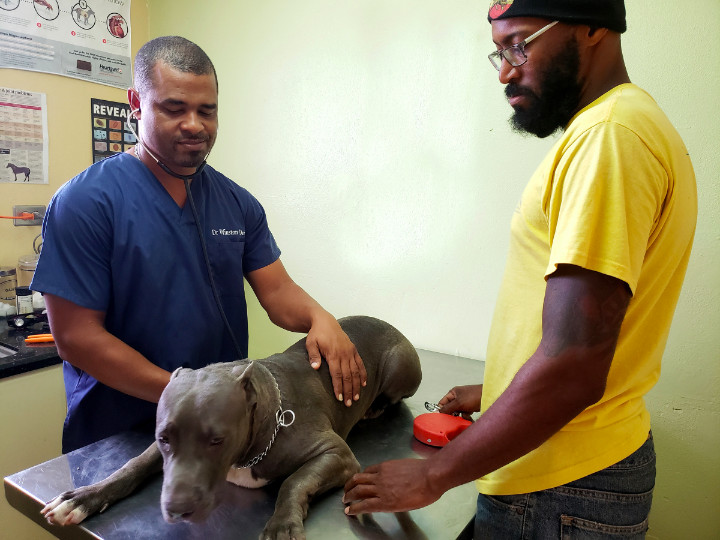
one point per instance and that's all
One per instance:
(323, 472)
(73, 506)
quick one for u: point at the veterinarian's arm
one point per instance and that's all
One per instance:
(582, 314)
(291, 308)
(82, 341)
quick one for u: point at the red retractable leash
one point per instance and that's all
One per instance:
(438, 429)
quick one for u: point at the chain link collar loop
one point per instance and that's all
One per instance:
(281, 422)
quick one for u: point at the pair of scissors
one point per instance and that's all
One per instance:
(39, 338)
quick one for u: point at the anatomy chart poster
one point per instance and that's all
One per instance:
(84, 39)
(23, 137)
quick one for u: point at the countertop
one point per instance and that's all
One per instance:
(27, 357)
(243, 512)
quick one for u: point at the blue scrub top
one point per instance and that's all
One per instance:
(115, 241)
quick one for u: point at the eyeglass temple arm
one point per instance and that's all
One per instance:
(542, 30)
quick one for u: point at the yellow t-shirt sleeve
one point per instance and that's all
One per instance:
(604, 202)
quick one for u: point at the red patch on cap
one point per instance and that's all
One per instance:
(498, 7)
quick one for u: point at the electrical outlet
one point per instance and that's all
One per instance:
(37, 210)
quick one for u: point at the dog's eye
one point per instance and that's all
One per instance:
(162, 439)
(217, 441)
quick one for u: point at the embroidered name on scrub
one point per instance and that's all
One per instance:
(228, 232)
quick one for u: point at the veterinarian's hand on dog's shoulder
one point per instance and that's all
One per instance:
(327, 340)
(391, 486)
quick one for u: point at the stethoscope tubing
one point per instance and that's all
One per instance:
(187, 178)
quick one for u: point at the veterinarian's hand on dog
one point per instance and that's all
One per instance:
(327, 340)
(391, 486)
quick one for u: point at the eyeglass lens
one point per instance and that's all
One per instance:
(514, 55)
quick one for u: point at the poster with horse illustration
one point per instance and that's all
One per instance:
(23, 137)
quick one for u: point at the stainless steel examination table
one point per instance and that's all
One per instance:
(243, 512)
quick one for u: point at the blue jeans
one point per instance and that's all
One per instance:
(612, 503)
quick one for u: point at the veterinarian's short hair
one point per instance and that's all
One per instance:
(175, 51)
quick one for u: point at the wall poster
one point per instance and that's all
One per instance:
(110, 131)
(84, 39)
(23, 136)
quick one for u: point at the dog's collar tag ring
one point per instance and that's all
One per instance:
(280, 418)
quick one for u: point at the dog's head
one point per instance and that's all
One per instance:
(204, 423)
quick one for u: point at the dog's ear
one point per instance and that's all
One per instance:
(244, 379)
(175, 373)
(243, 372)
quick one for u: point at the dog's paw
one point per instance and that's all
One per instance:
(63, 510)
(281, 529)
(72, 507)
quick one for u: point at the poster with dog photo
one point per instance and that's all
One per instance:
(23, 137)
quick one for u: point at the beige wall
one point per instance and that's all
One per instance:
(32, 406)
(375, 135)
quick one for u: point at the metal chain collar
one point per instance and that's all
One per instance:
(281, 422)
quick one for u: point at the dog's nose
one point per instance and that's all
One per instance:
(179, 510)
(177, 516)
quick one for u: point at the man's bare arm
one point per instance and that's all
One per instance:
(83, 341)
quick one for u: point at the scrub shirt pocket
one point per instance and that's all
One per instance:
(226, 261)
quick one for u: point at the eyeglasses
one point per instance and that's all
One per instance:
(515, 54)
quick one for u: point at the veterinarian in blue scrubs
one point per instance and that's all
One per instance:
(123, 268)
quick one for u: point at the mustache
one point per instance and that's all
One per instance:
(514, 90)
(193, 138)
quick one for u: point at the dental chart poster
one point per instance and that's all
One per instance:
(23, 137)
(83, 39)
(110, 131)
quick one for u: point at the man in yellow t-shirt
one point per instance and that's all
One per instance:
(599, 247)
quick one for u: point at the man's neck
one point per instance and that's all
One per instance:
(174, 186)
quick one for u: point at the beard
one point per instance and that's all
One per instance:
(552, 108)
(193, 159)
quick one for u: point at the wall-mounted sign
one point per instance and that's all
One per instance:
(23, 136)
(110, 131)
(84, 39)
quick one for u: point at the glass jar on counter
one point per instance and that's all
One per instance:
(23, 300)
(26, 265)
(8, 282)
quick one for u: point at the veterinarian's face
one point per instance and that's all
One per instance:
(178, 117)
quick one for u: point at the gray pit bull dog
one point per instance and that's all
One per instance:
(251, 422)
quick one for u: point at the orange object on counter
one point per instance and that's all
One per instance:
(438, 429)
(39, 338)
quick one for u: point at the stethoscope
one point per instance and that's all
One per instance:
(186, 178)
